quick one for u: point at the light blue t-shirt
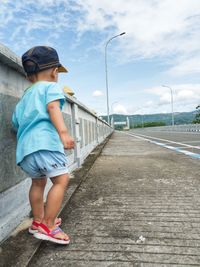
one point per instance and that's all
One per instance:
(35, 130)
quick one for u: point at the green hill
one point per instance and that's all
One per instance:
(162, 118)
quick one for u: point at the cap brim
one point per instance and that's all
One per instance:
(61, 68)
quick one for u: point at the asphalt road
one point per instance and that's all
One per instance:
(181, 142)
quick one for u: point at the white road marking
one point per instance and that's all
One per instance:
(177, 149)
(169, 141)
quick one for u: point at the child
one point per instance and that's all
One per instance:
(41, 139)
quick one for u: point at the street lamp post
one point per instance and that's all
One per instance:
(172, 103)
(106, 70)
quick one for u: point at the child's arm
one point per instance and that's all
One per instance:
(56, 117)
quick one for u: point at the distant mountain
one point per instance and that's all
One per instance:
(179, 118)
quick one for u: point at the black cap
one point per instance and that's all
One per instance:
(41, 58)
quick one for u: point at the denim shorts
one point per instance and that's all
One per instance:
(45, 163)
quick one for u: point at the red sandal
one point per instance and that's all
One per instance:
(45, 233)
(34, 227)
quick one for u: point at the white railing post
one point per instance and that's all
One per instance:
(97, 131)
(76, 123)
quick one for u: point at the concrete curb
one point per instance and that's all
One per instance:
(18, 250)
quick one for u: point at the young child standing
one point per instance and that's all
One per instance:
(41, 139)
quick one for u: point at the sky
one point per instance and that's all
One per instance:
(160, 47)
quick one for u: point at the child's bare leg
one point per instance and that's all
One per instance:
(36, 198)
(54, 199)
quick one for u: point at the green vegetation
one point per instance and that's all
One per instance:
(150, 124)
(197, 116)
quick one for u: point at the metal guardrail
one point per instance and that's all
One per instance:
(176, 128)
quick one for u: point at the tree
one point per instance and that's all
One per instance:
(197, 116)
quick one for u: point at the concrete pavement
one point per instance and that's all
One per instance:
(138, 206)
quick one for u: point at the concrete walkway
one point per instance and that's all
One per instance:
(138, 206)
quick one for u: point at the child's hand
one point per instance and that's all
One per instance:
(67, 140)
(55, 114)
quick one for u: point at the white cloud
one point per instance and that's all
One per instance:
(97, 93)
(142, 109)
(184, 95)
(155, 29)
(120, 109)
(186, 66)
(49, 17)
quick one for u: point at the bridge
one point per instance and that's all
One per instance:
(135, 202)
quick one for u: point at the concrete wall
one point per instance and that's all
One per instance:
(86, 128)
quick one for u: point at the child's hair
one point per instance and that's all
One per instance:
(48, 74)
